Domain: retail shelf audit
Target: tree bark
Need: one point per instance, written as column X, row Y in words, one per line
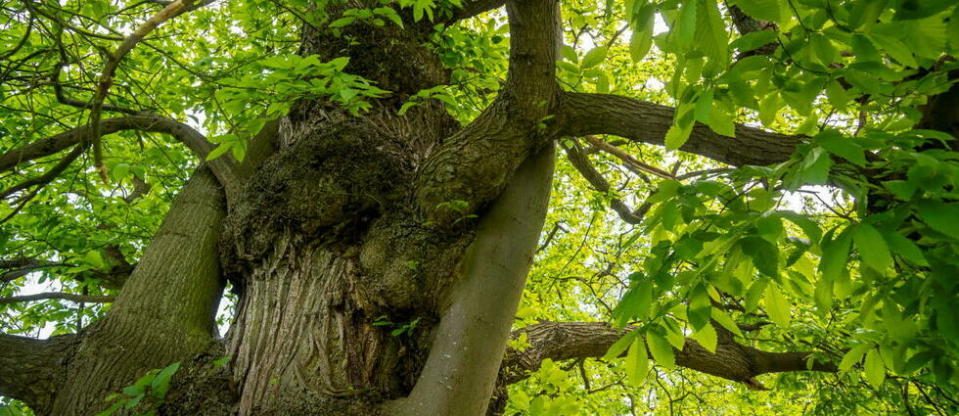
column 165, row 311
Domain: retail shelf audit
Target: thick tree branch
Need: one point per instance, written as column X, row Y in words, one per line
column 569, row 340
column 72, row 297
column 535, row 40
column 465, row 357
column 583, row 114
column 475, row 163
column 167, row 309
column 474, row 7
column 31, row 370
column 223, row 167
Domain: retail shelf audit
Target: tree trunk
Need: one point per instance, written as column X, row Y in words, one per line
column 358, row 246
column 165, row 312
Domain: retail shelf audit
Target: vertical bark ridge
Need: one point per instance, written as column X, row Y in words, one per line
column 303, row 338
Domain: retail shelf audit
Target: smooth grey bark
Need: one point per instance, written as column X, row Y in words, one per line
column 465, row 357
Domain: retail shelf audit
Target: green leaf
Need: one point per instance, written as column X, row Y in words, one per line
column 641, row 39
column 755, row 294
column 865, row 12
column 682, row 126
column 711, row 36
column 637, row 362
column 940, row 216
column 753, row 40
column 761, row 9
column 853, row 356
column 952, row 30
column 707, row 337
column 825, row 52
column 594, row 57
column 161, row 383
column 875, row 369
column 777, row 306
column 764, row 254
column 723, row 318
column 809, row 227
column 904, row 247
column 915, row 9
column 686, row 24
column 837, row 95
column 872, row 247
column 635, row 304
column 837, row 144
column 341, row 22
column 895, row 48
column 835, row 255
column 219, row 150
column 620, row 346
column 662, row 351
column 389, row 13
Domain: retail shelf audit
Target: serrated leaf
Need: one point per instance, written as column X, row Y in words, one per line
column 777, row 306
column 764, row 254
column 904, row 247
column 641, row 39
column 753, row 40
column 707, row 337
column 594, row 57
column 161, row 383
column 940, row 216
column 637, row 362
column 711, row 37
column 219, row 150
column 723, row 318
column 661, row 349
column 853, row 356
column 761, row 9
column 619, row 347
column 635, row 304
column 835, row 255
column 874, row 368
column 872, row 247
column 843, row 147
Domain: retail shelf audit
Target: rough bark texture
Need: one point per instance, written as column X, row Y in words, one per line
column 29, row 368
column 343, row 228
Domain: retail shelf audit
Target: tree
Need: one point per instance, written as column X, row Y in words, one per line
column 370, row 179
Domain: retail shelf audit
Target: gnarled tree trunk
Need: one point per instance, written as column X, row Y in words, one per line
column 378, row 258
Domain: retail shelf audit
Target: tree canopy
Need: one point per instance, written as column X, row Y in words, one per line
column 754, row 211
